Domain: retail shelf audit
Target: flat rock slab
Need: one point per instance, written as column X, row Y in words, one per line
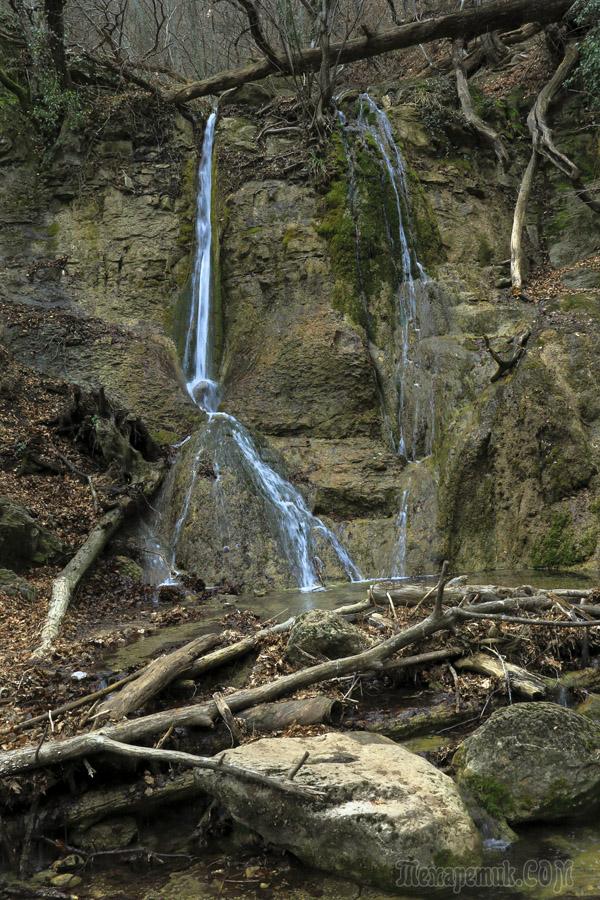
column 383, row 806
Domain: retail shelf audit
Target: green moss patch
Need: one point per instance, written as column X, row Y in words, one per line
column 561, row 546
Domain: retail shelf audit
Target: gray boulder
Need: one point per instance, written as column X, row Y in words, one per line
column 382, row 806
column 533, row 762
column 319, row 633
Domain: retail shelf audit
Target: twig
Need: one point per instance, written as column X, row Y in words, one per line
column 227, row 716
column 297, row 766
column 439, row 596
column 456, row 687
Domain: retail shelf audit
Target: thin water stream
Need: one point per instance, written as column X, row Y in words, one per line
column 414, row 382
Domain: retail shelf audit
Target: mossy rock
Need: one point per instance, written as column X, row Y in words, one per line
column 319, row 633
column 562, row 545
column 128, row 568
column 23, row 541
column 15, row 586
column 533, row 762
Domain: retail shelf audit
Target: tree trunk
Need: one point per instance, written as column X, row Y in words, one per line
column 517, row 260
column 56, row 38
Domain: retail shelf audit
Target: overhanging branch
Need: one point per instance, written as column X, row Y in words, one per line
column 468, row 24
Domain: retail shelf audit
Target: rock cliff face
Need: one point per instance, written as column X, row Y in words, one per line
column 114, row 198
column 306, row 329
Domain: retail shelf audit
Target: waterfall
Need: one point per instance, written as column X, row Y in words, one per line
column 413, row 380
column 414, row 386
column 293, row 526
column 196, row 361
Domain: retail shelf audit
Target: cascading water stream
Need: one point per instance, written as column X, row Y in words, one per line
column 415, row 424
column 414, row 385
column 293, row 526
column 196, row 361
column 399, row 569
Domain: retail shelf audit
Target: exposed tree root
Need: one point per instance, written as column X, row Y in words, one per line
column 485, row 131
column 543, row 145
column 507, row 365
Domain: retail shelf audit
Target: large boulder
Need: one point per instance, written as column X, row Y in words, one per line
column 319, row 633
column 533, row 762
column 382, row 806
column 23, row 541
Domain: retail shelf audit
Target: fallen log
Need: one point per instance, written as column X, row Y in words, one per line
column 154, row 678
column 423, row 659
column 161, row 672
column 226, row 655
column 94, row 806
column 412, row 594
column 66, row 583
column 204, row 714
column 285, row 713
column 523, row 683
column 465, row 24
column 420, row 721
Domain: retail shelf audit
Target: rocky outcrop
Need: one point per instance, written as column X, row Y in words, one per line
column 306, row 327
column 382, row 806
column 23, row 541
column 95, row 243
column 533, row 762
column 318, row 633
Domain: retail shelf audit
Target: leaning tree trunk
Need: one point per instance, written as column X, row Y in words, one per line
column 66, row 583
